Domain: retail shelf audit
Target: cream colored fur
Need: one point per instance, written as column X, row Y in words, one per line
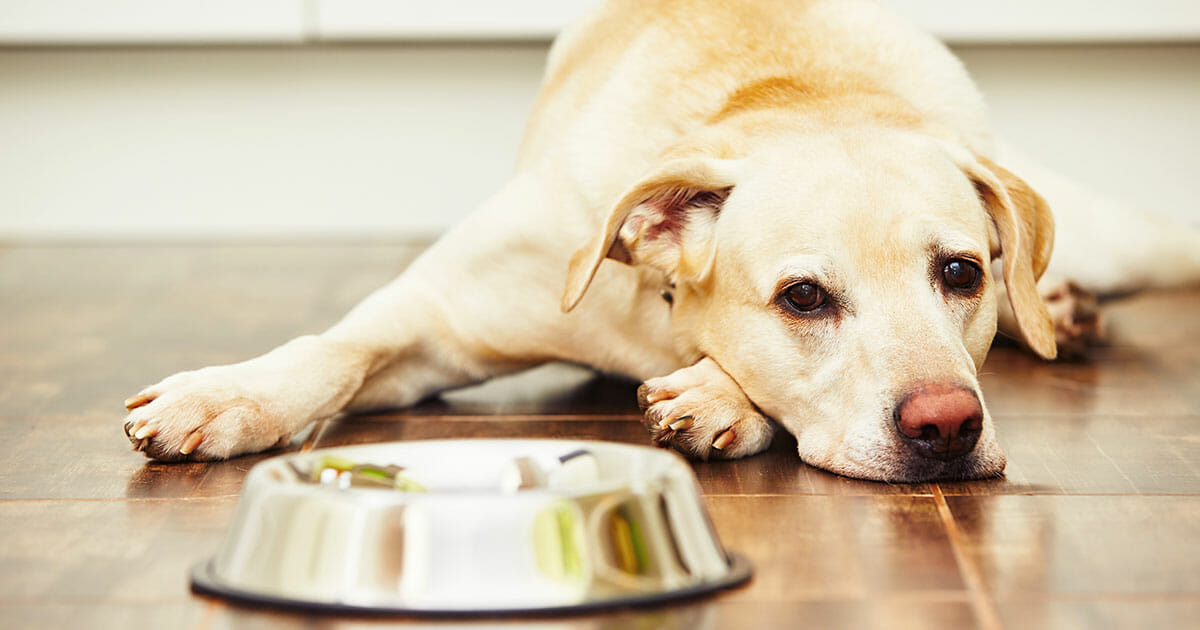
column 717, row 152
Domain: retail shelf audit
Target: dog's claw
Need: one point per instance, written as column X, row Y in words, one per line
column 191, row 443
column 662, row 437
column 681, row 423
column 139, row 400
column 642, row 393
column 147, row 429
column 724, row 439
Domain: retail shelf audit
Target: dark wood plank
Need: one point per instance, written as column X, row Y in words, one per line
column 1149, row 367
column 1074, row 614
column 1165, row 321
column 90, row 531
column 1094, row 454
column 1115, row 380
column 87, row 326
column 837, row 548
column 1031, row 547
column 88, row 457
column 72, row 552
column 105, row 615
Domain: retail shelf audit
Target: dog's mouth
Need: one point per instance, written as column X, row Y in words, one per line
column 915, row 469
column 889, row 459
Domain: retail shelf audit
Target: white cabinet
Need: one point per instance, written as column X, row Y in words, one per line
column 59, row 22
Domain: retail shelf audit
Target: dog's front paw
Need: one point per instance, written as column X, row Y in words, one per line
column 703, row 413
column 206, row 414
column 1078, row 322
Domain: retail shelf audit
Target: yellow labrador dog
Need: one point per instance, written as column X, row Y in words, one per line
column 772, row 212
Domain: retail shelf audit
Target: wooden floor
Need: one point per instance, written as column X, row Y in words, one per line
column 1096, row 525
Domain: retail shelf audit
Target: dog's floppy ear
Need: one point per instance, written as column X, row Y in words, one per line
column 1025, row 230
column 665, row 220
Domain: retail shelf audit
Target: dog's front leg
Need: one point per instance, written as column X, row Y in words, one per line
column 449, row 320
column 221, row 411
column 400, row 345
column 704, row 414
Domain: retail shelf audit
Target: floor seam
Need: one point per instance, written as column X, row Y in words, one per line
column 507, row 417
column 743, row 495
column 120, row 499
column 982, row 604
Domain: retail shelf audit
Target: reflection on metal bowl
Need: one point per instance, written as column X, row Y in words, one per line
column 471, row 526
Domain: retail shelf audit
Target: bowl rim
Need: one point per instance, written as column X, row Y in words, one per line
column 205, row 581
column 602, row 486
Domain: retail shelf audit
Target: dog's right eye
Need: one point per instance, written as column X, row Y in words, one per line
column 962, row 276
column 804, row 297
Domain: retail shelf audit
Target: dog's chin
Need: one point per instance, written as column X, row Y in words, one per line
column 896, row 463
column 913, row 468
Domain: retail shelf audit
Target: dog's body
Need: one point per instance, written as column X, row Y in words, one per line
column 805, row 199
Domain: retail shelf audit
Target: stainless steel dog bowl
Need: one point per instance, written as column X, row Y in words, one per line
column 470, row 526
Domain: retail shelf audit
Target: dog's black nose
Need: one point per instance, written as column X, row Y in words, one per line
column 940, row 421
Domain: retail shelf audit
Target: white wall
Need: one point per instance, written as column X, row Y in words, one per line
column 396, row 139
column 256, row 141
column 1124, row 120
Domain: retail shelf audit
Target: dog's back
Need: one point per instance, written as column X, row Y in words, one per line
column 643, row 75
column 636, row 78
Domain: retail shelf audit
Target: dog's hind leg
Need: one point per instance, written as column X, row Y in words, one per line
column 1101, row 248
column 1079, row 323
column 1105, row 247
column 478, row 303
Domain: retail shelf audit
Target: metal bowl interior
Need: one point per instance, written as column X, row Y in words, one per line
column 471, row 526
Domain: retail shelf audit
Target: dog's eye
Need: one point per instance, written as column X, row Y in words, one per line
column 804, row 297
column 961, row 275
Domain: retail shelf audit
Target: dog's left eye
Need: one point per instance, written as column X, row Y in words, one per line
column 961, row 275
column 804, row 297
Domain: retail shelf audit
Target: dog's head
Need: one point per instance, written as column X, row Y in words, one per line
column 844, row 282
